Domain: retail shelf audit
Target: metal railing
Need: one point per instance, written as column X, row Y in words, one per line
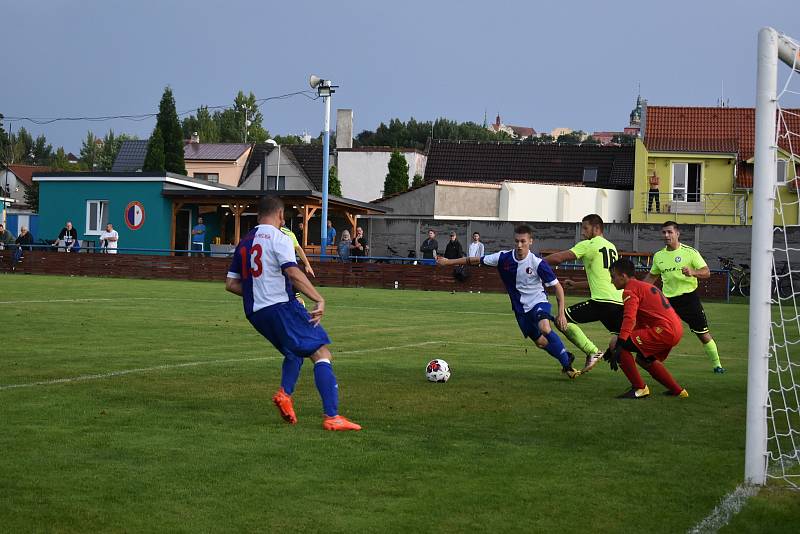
column 712, row 207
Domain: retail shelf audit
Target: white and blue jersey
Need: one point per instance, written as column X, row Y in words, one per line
column 259, row 262
column 524, row 279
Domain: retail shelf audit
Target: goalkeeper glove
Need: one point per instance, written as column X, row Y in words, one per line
column 612, row 357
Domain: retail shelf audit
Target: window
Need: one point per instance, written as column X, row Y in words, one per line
column 209, row 177
column 782, row 165
column 686, row 182
column 589, row 174
column 281, row 182
column 96, row 216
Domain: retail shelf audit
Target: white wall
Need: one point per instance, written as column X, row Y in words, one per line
column 554, row 203
column 16, row 187
column 362, row 173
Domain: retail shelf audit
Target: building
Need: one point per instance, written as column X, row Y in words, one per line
column 15, row 178
column 516, row 132
column 362, row 171
column 213, row 162
column 289, row 167
column 703, row 158
column 512, row 182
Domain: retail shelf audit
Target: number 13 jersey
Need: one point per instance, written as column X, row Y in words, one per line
column 260, row 261
column 597, row 254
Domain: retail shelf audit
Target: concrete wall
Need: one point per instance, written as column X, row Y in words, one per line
column 295, row 178
column 419, row 202
column 344, row 128
column 467, row 201
column 362, row 173
column 551, row 203
column 229, row 171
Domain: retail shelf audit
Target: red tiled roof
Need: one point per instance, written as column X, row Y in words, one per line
column 711, row 130
column 24, row 172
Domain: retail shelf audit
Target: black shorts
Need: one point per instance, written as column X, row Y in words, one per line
column 690, row 310
column 589, row 311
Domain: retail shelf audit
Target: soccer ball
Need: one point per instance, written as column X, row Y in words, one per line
column 437, row 371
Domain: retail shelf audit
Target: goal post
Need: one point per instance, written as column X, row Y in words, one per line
column 773, row 410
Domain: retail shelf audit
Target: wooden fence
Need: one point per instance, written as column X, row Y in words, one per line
column 374, row 275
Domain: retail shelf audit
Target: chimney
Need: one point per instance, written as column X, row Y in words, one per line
column 195, row 137
column 344, row 128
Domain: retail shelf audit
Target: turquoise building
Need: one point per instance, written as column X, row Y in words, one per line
column 135, row 203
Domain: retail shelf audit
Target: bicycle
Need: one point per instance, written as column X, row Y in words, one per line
column 739, row 275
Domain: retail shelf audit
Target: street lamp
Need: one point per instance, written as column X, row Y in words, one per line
column 324, row 89
column 278, row 172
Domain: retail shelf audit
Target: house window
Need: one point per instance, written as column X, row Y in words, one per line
column 274, row 184
column 589, row 174
column 96, row 216
column 782, row 166
column 686, row 182
column 209, row 177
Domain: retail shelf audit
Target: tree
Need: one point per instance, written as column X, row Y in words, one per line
column 232, row 122
column 397, row 178
column 415, row 134
column 155, row 160
column 334, row 185
column 171, row 137
column 32, row 196
column 60, row 161
column 288, row 140
column 418, row 180
column 42, row 151
column 624, row 139
column 591, row 141
column 572, row 138
column 111, row 145
column 89, row 151
column 204, row 124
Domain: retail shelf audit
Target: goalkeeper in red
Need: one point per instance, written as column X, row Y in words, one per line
column 650, row 328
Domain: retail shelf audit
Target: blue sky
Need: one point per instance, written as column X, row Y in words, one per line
column 540, row 64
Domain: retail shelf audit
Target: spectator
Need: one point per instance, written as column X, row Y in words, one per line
column 68, row 239
column 109, row 239
column 344, row 247
column 476, row 249
column 199, row 236
column 653, row 194
column 6, row 238
column 299, row 232
column 429, row 246
column 359, row 248
column 331, row 234
column 453, row 249
column 24, row 242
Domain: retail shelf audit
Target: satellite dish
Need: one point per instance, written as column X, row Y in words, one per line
column 314, row 81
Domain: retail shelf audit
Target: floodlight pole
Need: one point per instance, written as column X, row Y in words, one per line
column 755, row 462
column 325, row 90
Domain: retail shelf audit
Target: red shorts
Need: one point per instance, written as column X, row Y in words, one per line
column 656, row 341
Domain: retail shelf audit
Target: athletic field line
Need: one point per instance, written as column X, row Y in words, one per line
column 123, row 372
column 729, row 506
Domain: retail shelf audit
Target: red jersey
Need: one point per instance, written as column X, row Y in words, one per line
column 647, row 307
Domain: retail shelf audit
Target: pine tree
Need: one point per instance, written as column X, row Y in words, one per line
column 334, row 185
column 418, row 181
column 32, row 196
column 172, row 135
column 89, row 151
column 397, row 178
column 155, row 158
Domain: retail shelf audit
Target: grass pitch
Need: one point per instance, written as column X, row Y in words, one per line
column 145, row 406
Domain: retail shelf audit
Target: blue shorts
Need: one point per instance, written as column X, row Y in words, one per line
column 287, row 327
column 529, row 322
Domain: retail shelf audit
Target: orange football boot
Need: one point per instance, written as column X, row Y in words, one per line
column 285, row 406
column 337, row 422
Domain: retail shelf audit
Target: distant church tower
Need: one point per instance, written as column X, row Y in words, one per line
column 636, row 114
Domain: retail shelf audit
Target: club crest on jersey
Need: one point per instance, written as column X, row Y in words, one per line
column 677, row 259
column 529, row 270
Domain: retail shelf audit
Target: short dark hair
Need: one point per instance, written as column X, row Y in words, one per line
column 269, row 205
column 671, row 223
column 524, row 229
column 476, row 233
column 624, row 266
column 594, row 219
column 431, row 230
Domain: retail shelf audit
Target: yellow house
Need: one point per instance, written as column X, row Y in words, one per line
column 695, row 166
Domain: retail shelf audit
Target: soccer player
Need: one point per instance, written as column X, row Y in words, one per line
column 680, row 266
column 605, row 303
column 263, row 272
column 650, row 328
column 525, row 276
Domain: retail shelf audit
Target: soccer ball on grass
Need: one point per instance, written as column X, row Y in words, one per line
column 437, row 371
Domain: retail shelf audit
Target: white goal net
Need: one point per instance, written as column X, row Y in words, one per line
column 773, row 433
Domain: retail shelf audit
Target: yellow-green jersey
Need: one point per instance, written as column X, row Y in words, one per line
column 668, row 264
column 295, row 242
column 597, row 254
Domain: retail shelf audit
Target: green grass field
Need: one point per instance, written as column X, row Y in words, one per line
column 167, row 423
